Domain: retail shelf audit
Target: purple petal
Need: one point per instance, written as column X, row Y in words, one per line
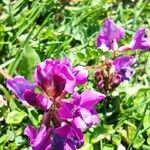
column 18, row 85
column 37, row 100
column 95, row 117
column 64, row 131
column 123, row 62
column 69, row 146
column 70, row 79
column 139, row 41
column 79, row 123
column 76, row 98
column 78, row 136
column 71, row 133
column 81, row 75
column 58, row 82
column 30, row 97
column 123, row 67
column 30, row 132
column 39, row 140
column 86, row 115
column 66, row 110
column 110, row 35
column 43, row 102
column 56, row 76
column 41, row 77
column 90, row 98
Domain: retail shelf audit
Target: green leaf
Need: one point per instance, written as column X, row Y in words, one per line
column 28, row 63
column 102, row 132
column 148, row 67
column 138, row 142
column 11, row 135
column 34, row 116
column 15, row 117
column 108, row 147
column 116, row 139
column 3, row 139
column 148, row 140
column 146, row 123
column 20, row 141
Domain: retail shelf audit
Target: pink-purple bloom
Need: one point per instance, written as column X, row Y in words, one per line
column 123, row 66
column 113, row 72
column 80, row 109
column 54, row 77
column 139, row 41
column 63, row 120
column 18, row 85
column 110, row 35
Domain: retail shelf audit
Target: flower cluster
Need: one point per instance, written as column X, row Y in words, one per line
column 112, row 72
column 64, row 120
column 112, row 34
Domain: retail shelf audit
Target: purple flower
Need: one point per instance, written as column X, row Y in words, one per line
column 24, row 91
column 55, row 76
column 123, row 66
column 139, row 41
column 81, row 109
column 39, row 138
column 68, row 137
column 18, row 85
column 110, row 35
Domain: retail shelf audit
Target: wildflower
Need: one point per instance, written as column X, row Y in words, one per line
column 112, row 72
column 123, row 66
column 81, row 109
column 110, row 35
column 63, row 120
column 139, row 41
column 54, row 77
column 68, row 137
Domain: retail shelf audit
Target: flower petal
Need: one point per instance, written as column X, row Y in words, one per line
column 81, row 75
column 37, row 100
column 110, row 35
column 65, row 111
column 86, row 115
column 79, row 123
column 90, row 98
column 139, row 41
column 18, row 85
column 123, row 62
column 41, row 139
column 95, row 117
column 43, row 102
